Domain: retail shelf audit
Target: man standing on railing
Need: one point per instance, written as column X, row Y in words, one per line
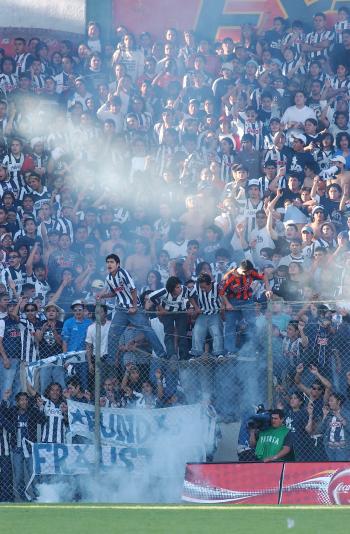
column 207, row 296
column 171, row 303
column 236, row 291
column 120, row 285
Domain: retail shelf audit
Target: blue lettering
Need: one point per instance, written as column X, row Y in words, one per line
column 109, row 425
column 60, row 453
column 123, row 456
column 90, row 417
column 142, row 430
column 81, row 460
column 125, row 429
column 38, row 459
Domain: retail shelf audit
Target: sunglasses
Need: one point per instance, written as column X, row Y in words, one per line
column 78, row 309
column 316, row 388
column 30, row 310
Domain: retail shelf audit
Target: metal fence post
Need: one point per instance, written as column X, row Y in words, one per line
column 97, row 387
column 269, row 359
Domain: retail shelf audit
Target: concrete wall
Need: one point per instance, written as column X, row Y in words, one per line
column 60, row 15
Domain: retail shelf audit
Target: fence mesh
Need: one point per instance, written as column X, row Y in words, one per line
column 293, row 357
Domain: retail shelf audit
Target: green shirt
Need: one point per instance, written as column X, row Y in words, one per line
column 270, row 442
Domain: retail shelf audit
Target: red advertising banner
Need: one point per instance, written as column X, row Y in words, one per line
column 232, row 483
column 257, row 483
column 316, row 483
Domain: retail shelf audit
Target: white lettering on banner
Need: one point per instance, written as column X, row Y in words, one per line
column 62, row 459
column 133, row 428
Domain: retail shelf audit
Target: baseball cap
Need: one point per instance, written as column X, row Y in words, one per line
column 307, row 230
column 317, row 208
column 252, row 62
column 277, row 61
column 227, row 66
column 97, row 284
column 53, row 305
column 301, row 137
column 254, row 182
column 267, row 264
column 77, row 303
column 339, row 159
column 289, row 222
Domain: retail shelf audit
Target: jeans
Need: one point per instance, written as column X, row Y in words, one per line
column 338, row 454
column 49, row 374
column 203, row 325
column 6, row 482
column 10, row 378
column 178, row 320
column 82, row 374
column 244, row 310
column 139, row 319
column 21, row 467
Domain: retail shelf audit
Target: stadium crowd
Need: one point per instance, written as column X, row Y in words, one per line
column 201, row 192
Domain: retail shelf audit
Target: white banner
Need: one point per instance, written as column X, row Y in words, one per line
column 63, row 459
column 57, row 359
column 186, row 425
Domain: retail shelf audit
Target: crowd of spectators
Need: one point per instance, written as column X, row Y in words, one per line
column 201, row 191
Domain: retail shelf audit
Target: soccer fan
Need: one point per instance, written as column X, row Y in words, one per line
column 120, row 286
column 275, row 443
column 185, row 159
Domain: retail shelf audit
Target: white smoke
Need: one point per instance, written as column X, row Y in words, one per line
column 156, row 479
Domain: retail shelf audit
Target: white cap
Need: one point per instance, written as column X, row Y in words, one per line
column 254, row 181
column 77, row 303
column 300, row 136
column 227, row 66
column 339, row 158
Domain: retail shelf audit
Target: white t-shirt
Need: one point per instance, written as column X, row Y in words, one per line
column 91, row 337
column 175, row 250
column 263, row 239
column 294, row 114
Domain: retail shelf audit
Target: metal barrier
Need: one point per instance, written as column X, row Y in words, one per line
column 285, row 390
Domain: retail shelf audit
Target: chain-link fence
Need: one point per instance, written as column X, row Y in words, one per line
column 281, row 395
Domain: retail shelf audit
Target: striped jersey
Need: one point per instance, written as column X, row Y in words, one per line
column 9, row 185
column 294, row 42
column 65, row 226
column 227, row 162
column 22, row 62
column 313, row 38
column 209, row 302
column 294, row 66
column 253, row 128
column 163, row 298
column 340, row 84
column 323, row 158
column 339, row 27
column 8, row 82
column 14, row 167
column 54, row 429
column 18, row 276
column 121, row 284
column 4, row 441
column 248, row 211
column 30, row 348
